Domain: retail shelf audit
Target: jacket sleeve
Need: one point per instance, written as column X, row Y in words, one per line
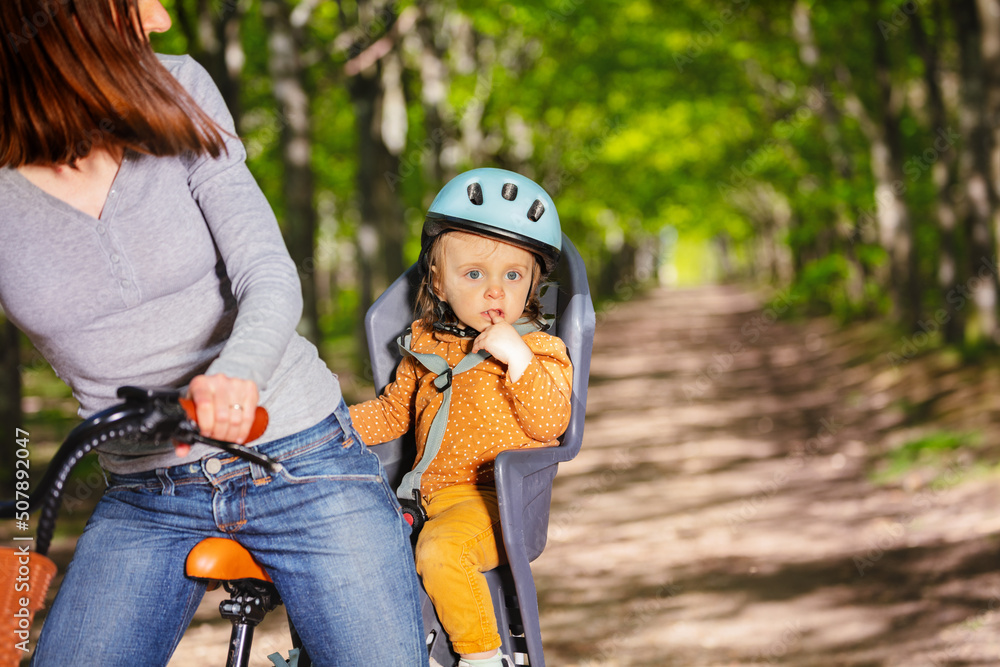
column 390, row 415
column 263, row 279
column 542, row 396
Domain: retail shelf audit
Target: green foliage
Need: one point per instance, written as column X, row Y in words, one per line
column 708, row 119
column 823, row 282
column 937, row 451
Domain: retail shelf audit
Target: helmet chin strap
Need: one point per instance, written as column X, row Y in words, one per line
column 445, row 321
column 456, row 330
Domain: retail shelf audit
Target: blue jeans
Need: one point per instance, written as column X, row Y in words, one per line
column 327, row 529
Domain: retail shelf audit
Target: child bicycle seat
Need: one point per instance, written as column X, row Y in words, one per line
column 523, row 477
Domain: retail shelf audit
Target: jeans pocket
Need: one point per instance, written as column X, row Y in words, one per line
column 344, row 457
column 122, row 488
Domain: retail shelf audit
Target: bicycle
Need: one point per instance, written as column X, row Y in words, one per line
column 157, row 415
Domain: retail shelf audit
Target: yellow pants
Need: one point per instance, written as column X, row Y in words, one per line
column 459, row 542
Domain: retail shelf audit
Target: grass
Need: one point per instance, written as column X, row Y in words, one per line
column 934, row 455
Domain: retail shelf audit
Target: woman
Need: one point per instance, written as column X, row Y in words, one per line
column 135, row 248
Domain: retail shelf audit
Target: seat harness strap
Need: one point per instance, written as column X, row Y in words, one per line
column 409, row 488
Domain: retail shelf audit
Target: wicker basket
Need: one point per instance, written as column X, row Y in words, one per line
column 24, row 581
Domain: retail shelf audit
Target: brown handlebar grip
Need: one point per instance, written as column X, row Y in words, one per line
column 256, row 430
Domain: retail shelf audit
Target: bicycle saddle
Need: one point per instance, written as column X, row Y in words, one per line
column 223, row 559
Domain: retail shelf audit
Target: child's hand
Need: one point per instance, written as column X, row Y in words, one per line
column 502, row 341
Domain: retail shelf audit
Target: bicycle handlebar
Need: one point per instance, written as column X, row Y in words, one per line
column 149, row 415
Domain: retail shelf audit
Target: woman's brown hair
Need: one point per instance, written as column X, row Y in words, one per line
column 79, row 75
column 429, row 309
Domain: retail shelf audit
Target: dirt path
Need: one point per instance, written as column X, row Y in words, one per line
column 720, row 511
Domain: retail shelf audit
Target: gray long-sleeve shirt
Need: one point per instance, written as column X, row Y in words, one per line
column 185, row 272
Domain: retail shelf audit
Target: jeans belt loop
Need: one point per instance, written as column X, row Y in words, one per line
column 166, row 484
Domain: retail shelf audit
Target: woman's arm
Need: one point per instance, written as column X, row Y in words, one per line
column 262, row 276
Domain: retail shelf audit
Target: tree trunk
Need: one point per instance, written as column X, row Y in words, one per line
column 977, row 137
column 617, row 275
column 895, row 226
column 10, row 397
column 381, row 231
column 831, row 119
column 212, row 30
column 298, row 182
column 942, row 172
column 989, row 12
column 433, row 91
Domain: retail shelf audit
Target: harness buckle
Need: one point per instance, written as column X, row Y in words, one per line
column 413, row 513
column 447, row 375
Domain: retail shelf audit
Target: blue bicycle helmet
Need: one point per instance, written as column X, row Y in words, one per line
column 501, row 204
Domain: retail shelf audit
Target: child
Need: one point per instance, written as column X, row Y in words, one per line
column 489, row 238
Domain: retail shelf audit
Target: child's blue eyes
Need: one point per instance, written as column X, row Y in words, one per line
column 476, row 274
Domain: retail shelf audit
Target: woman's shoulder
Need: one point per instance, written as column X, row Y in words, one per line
column 182, row 66
column 190, row 74
column 199, row 85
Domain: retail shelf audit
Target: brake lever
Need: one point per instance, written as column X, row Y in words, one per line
column 171, row 417
column 188, row 432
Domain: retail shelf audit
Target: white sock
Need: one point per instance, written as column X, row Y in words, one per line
column 493, row 661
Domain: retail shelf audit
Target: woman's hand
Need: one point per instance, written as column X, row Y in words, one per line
column 225, row 407
column 502, row 341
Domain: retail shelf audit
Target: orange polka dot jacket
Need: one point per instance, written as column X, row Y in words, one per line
column 488, row 414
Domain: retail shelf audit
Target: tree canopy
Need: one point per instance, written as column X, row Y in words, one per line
column 844, row 150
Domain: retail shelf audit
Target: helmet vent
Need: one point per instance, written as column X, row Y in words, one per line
column 536, row 210
column 476, row 194
column 509, row 191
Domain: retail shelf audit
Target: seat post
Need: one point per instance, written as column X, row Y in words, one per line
column 249, row 601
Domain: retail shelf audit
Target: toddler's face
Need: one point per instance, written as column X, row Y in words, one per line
column 479, row 276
